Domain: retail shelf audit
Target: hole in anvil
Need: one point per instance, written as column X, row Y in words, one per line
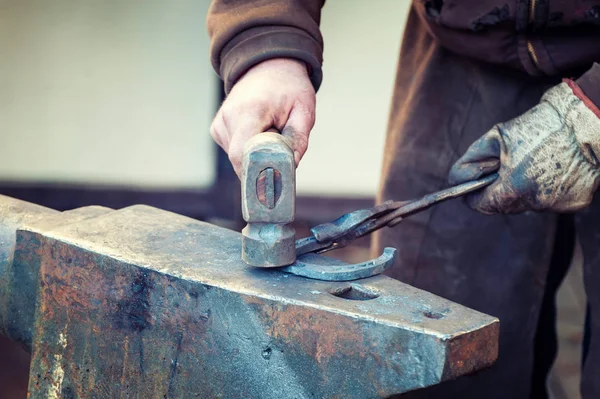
column 266, row 354
column 434, row 315
column 354, row 292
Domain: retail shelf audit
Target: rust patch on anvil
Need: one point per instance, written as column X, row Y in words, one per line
column 19, row 273
column 320, row 334
column 79, row 304
column 122, row 323
column 63, row 278
column 464, row 352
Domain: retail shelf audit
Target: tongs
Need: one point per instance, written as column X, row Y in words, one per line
column 347, row 228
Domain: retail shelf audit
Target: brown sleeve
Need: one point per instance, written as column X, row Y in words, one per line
column 589, row 83
column 246, row 32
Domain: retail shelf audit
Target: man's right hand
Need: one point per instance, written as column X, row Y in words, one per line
column 273, row 94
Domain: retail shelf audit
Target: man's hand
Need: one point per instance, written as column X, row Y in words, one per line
column 273, row 94
column 547, row 158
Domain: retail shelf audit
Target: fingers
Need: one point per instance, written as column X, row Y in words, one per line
column 218, row 131
column 480, row 159
column 499, row 197
column 275, row 93
column 483, row 158
column 298, row 127
column 232, row 133
column 248, row 123
column 235, row 125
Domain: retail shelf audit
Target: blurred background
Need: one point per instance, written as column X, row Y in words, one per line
column 110, row 102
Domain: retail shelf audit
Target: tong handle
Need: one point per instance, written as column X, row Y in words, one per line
column 353, row 225
column 431, row 199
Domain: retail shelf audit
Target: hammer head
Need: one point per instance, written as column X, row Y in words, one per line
column 268, row 197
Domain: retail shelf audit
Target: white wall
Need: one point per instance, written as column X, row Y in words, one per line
column 112, row 91
column 121, row 92
column 362, row 43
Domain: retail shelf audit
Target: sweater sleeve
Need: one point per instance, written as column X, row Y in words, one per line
column 244, row 33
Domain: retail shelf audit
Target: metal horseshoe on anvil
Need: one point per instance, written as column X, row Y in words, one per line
column 268, row 204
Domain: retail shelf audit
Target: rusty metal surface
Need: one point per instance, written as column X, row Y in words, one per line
column 145, row 303
column 19, row 260
column 17, row 276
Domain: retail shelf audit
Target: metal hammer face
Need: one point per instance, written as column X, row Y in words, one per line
column 268, row 197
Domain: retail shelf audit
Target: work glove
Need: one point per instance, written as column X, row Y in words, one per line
column 546, row 159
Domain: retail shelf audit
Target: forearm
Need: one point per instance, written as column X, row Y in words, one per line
column 245, row 33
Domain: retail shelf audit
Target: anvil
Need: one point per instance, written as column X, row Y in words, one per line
column 140, row 302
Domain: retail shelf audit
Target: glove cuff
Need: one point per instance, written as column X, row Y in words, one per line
column 580, row 114
column 581, row 95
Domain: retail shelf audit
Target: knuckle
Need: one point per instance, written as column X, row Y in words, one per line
column 255, row 109
column 247, row 103
column 258, row 109
column 227, row 109
column 235, row 159
column 218, row 131
column 234, row 154
column 214, row 131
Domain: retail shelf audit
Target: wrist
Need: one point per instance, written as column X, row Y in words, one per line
column 291, row 65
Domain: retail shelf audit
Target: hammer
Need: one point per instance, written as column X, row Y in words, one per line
column 268, row 197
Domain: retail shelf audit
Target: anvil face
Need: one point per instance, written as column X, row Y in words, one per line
column 145, row 303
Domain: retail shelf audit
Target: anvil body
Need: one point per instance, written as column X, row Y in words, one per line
column 144, row 303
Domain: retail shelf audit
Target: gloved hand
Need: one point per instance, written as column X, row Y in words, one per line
column 547, row 158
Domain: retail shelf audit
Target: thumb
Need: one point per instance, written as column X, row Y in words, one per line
column 297, row 129
column 480, row 159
